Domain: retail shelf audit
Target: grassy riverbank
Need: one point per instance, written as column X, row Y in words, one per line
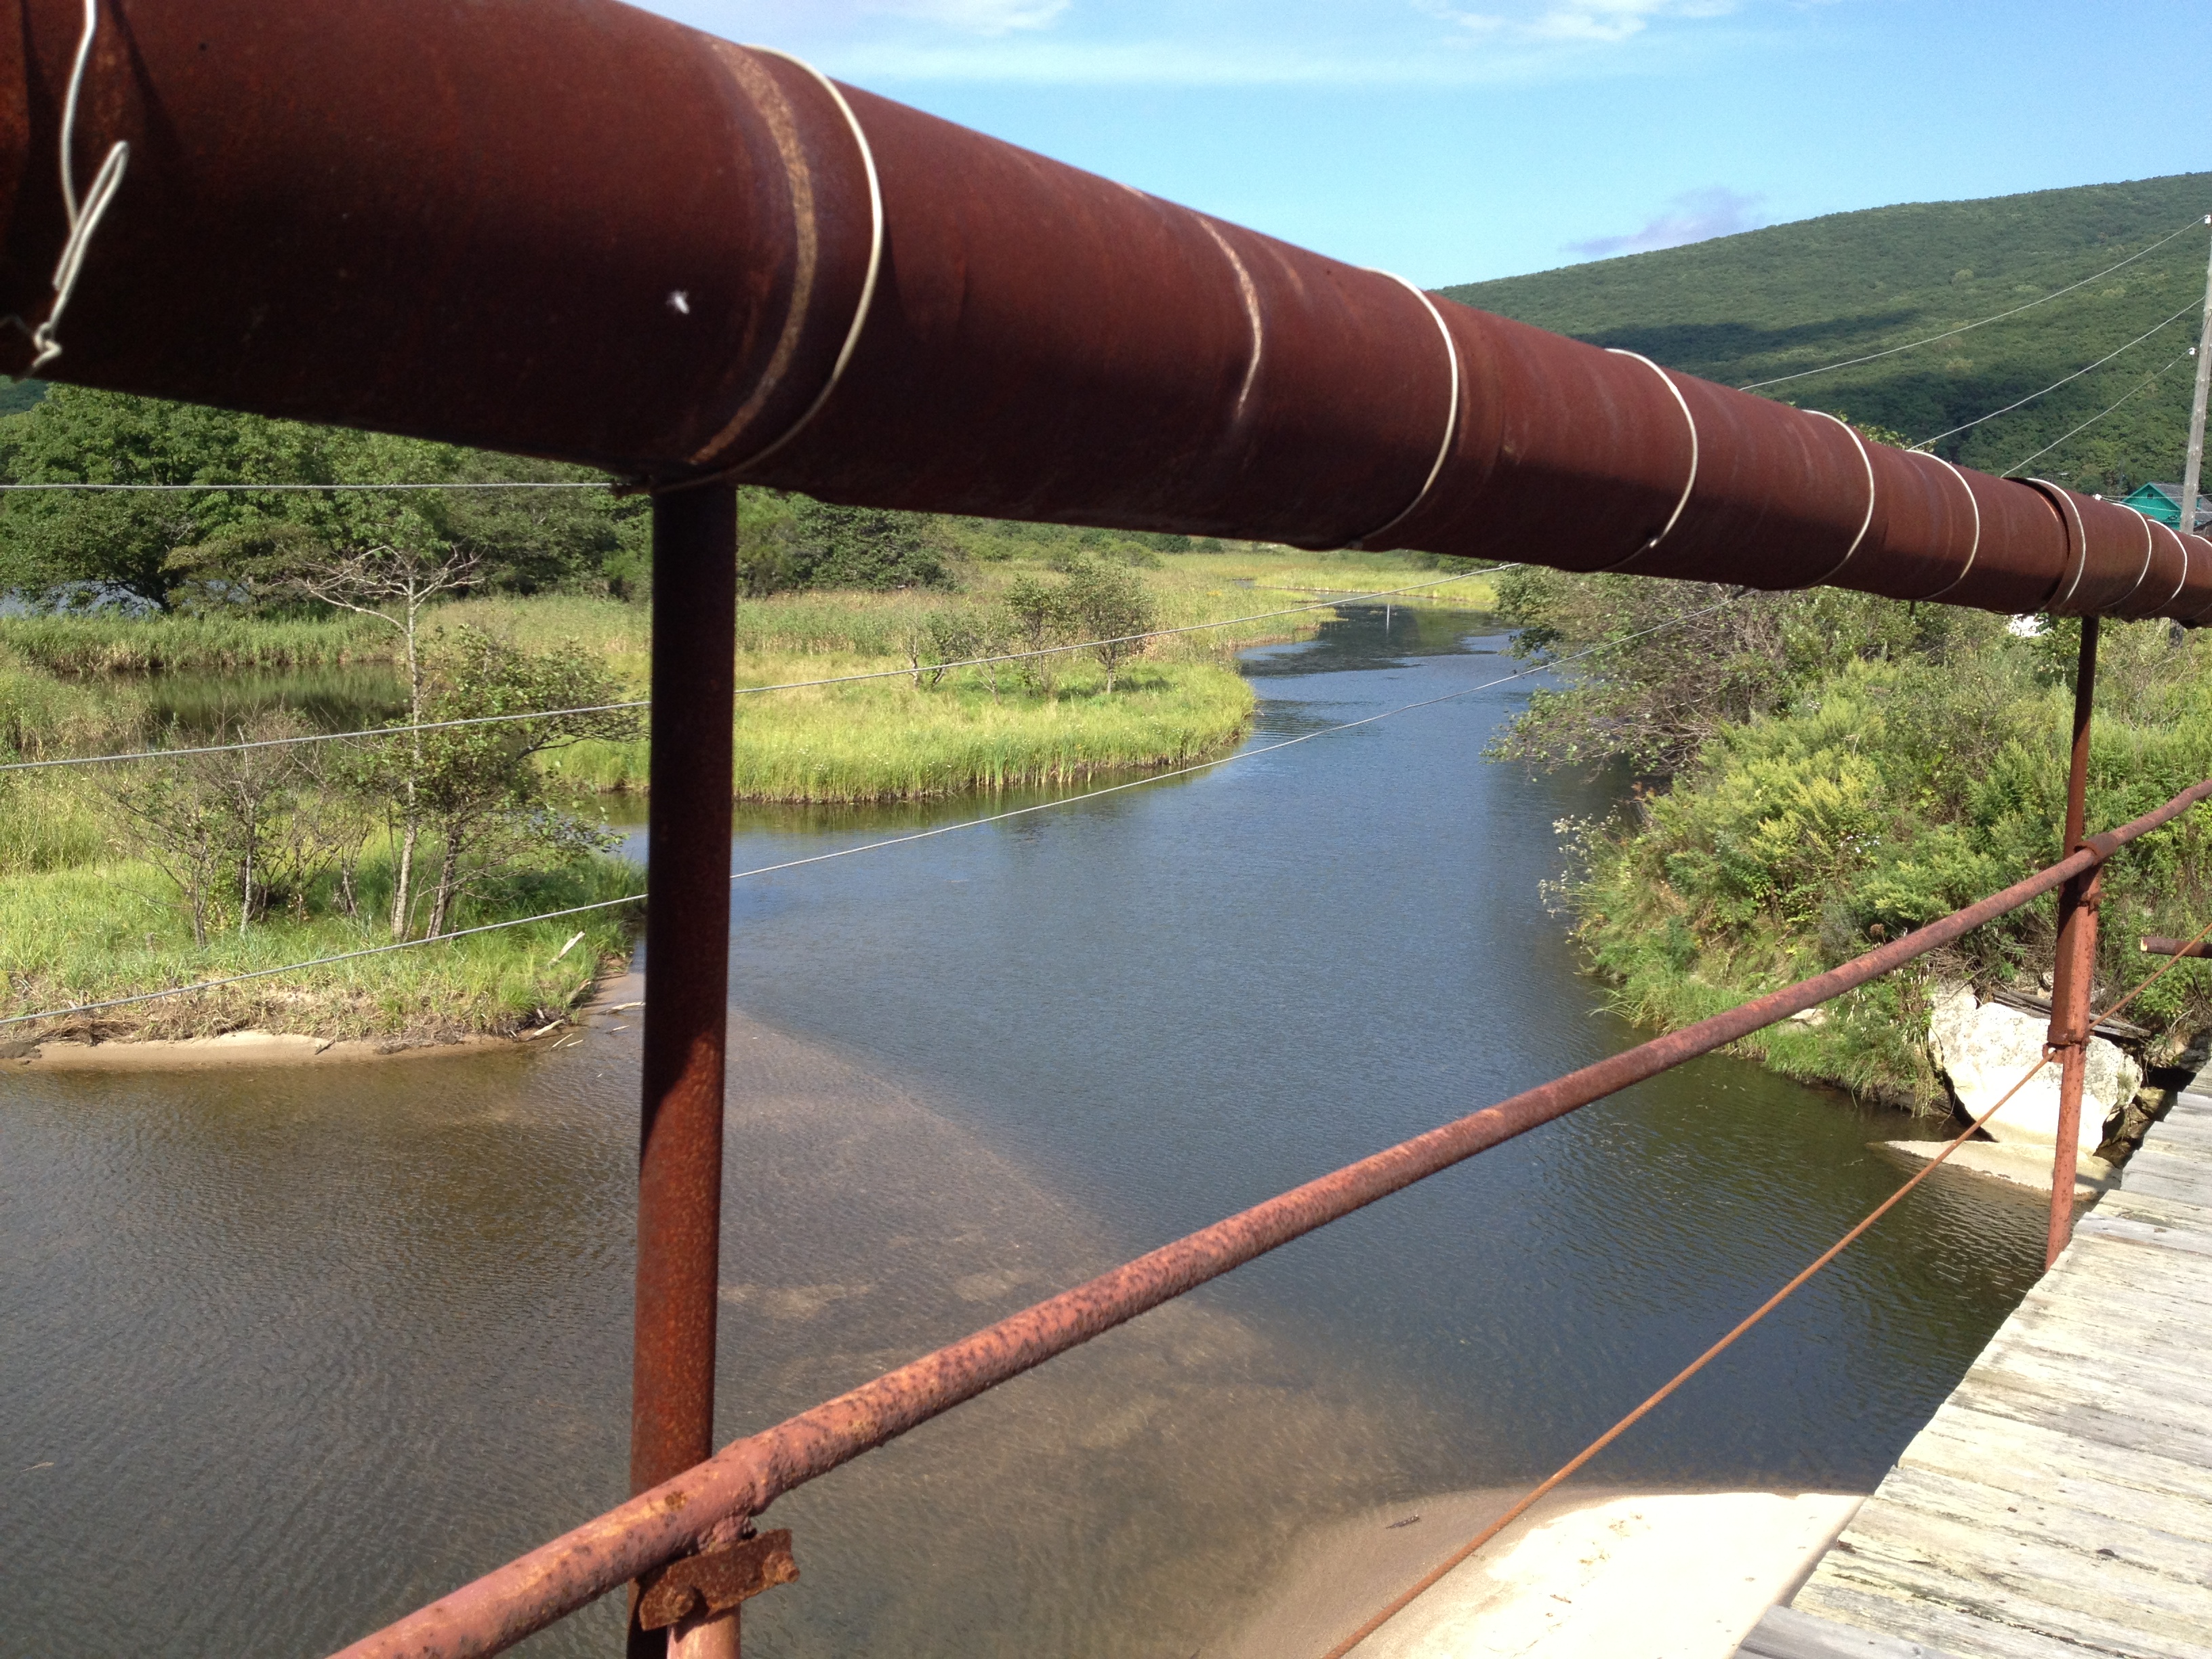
column 111, row 927
column 1876, row 781
column 87, row 915
column 73, row 685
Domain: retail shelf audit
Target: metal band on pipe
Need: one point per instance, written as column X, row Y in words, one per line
column 867, row 283
column 1867, row 461
column 2079, row 532
column 1451, row 415
column 1688, row 483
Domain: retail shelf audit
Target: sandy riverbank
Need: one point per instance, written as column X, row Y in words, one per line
column 247, row 1048
column 1587, row 1575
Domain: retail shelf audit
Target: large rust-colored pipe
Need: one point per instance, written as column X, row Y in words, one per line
column 569, row 228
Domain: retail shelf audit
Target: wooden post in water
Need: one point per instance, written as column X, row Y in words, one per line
column 2074, row 973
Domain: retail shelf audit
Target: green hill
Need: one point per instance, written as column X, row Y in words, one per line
column 1767, row 303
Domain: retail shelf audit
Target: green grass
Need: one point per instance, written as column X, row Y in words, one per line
column 1881, row 798
column 107, row 644
column 113, row 928
column 42, row 717
column 884, row 740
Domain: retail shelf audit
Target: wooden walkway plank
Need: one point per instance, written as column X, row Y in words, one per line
column 2059, row 1504
column 2027, row 1464
column 2065, row 1588
column 1785, row 1633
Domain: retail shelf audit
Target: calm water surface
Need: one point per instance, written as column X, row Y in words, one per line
column 287, row 1353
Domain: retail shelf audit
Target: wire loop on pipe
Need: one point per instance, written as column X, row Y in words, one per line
column 2183, row 581
column 2150, row 548
column 1974, row 546
column 1867, row 461
column 2077, row 533
column 84, row 216
column 1451, row 415
column 1688, row 483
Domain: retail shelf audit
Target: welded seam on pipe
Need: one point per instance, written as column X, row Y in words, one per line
column 867, row 283
column 1688, row 483
column 1451, row 415
column 2079, row 533
column 1974, row 546
column 1867, row 461
column 531, row 1592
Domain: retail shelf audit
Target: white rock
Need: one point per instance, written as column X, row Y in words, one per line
column 1983, row 1048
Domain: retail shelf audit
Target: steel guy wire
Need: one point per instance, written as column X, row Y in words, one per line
column 1891, row 351
column 1406, row 1598
column 2186, row 310
column 743, row 690
column 2148, row 380
column 875, row 846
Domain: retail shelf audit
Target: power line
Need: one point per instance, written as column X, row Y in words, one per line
column 1851, row 362
column 2055, row 385
column 743, row 690
column 877, row 846
column 2145, row 385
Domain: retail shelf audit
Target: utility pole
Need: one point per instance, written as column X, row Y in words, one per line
column 2192, row 468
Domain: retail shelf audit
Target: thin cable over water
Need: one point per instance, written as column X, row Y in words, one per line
column 743, row 690
column 81, row 1008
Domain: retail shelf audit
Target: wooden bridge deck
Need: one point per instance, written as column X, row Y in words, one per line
column 2059, row 1504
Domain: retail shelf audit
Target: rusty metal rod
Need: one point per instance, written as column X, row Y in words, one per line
column 2157, row 946
column 527, row 1594
column 687, row 941
column 2075, row 970
column 629, row 245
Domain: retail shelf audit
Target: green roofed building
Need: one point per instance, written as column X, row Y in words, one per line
column 2163, row 502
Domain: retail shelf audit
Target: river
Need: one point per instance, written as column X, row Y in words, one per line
column 288, row 1352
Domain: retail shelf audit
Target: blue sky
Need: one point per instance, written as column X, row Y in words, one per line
column 1453, row 140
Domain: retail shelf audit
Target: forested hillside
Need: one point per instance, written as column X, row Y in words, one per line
column 1770, row 302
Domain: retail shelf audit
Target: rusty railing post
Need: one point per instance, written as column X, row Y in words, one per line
column 2075, row 970
column 687, row 935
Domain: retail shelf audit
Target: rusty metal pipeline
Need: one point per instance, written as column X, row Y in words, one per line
column 507, row 1604
column 568, row 228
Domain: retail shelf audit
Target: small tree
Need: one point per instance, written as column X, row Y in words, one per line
column 1112, row 608
column 479, row 791
column 1038, row 619
column 247, row 825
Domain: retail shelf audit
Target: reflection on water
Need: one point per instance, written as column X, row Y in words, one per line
column 289, row 1352
column 202, row 703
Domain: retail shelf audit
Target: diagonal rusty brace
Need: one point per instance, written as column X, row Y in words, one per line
column 716, row 1581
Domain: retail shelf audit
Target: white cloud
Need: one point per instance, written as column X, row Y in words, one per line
column 1570, row 23
column 973, row 16
column 1227, row 42
column 1695, row 216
